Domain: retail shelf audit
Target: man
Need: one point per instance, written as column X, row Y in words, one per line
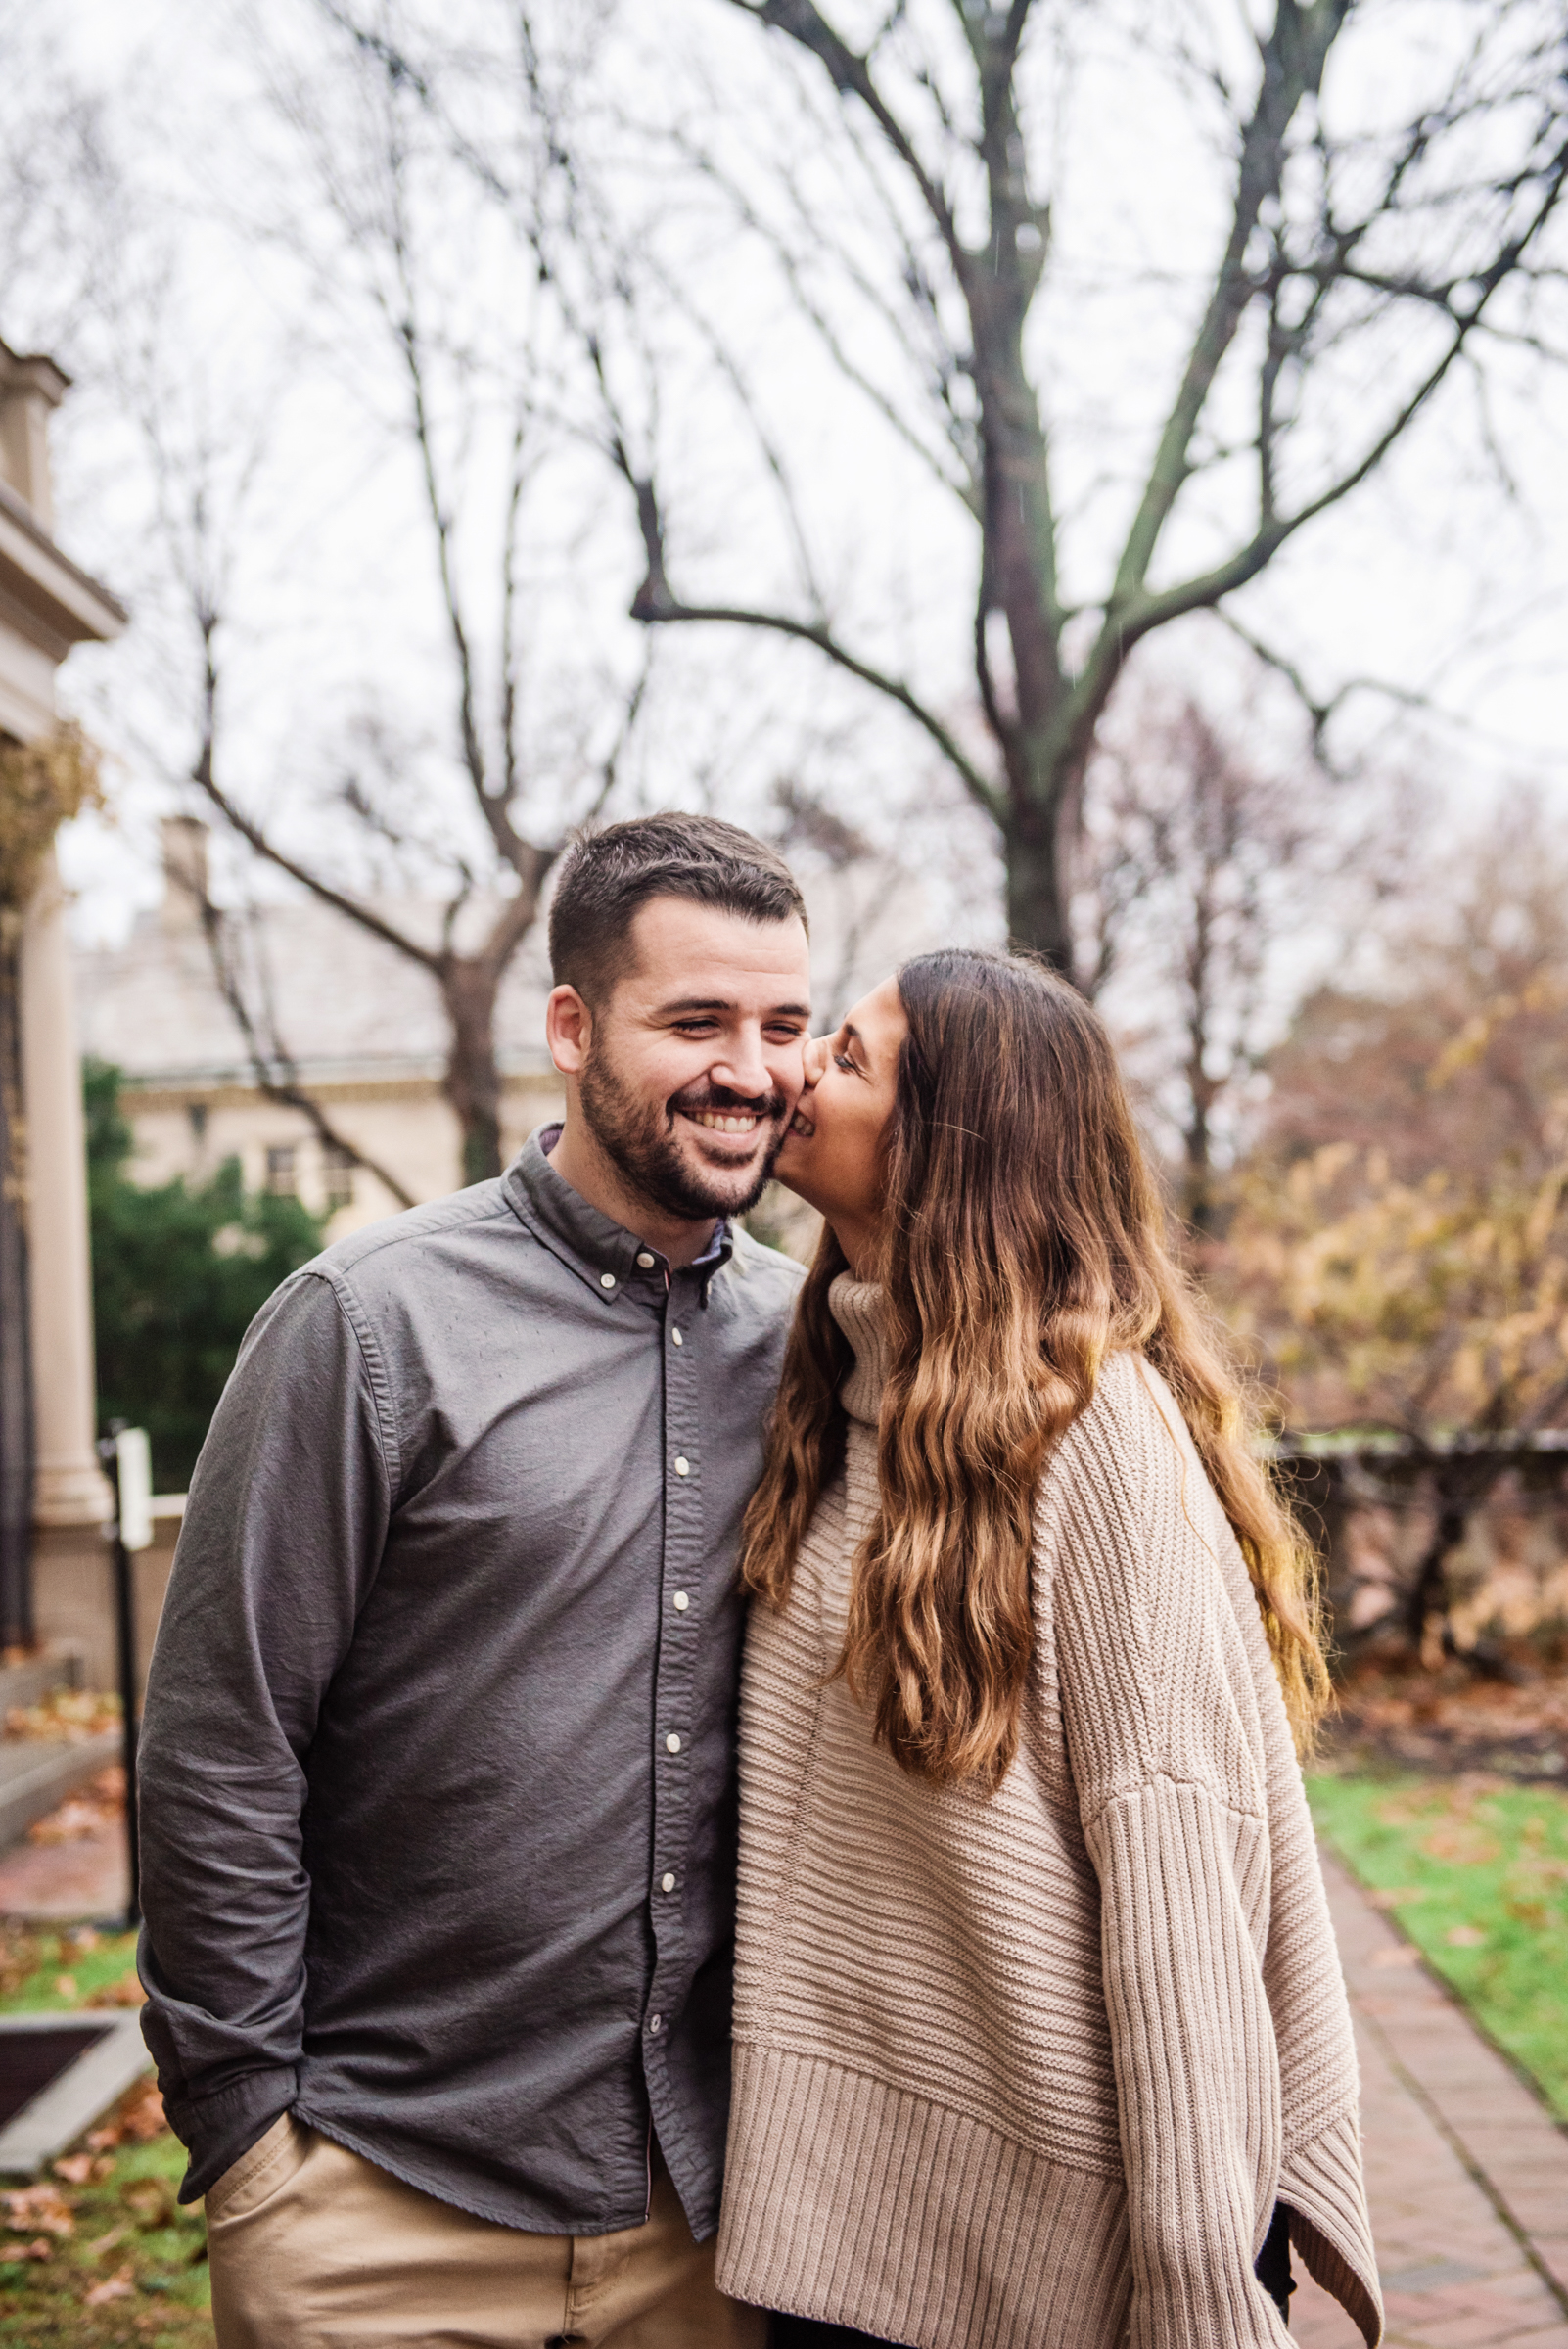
column 438, row 1770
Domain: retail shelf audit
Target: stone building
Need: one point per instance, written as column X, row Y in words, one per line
column 55, row 1569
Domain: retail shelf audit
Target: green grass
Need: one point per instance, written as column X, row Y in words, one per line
column 34, row 1964
column 1475, row 1873
column 125, row 2226
column 125, row 2221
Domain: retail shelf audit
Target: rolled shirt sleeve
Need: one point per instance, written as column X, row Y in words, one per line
column 283, row 1533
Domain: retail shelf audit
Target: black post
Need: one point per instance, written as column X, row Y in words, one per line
column 125, row 1641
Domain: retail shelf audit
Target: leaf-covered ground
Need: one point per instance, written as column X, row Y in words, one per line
column 1474, row 1871
column 98, row 2254
column 1394, row 1717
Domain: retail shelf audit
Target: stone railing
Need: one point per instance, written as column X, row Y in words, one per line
column 1485, row 1522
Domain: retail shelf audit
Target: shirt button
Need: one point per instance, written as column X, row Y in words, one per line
column 607, row 1280
column 676, row 1338
column 682, row 1467
column 656, row 2022
column 645, row 1260
column 671, row 1743
column 681, row 1602
column 667, row 1883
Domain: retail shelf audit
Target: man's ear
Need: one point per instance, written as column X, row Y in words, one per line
column 567, row 1029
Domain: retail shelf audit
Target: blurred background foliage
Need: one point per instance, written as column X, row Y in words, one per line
column 179, row 1271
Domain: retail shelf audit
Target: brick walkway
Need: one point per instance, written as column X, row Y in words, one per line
column 1468, row 2174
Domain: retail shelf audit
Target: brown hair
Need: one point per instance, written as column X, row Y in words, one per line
column 606, row 876
column 1023, row 1243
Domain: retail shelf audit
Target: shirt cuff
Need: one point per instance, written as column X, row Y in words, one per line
column 217, row 2130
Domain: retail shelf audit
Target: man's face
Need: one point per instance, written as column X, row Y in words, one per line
column 692, row 1067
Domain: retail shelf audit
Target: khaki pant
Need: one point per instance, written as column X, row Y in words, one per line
column 313, row 2247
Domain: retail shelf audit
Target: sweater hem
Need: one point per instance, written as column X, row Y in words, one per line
column 857, row 2203
column 1321, row 2185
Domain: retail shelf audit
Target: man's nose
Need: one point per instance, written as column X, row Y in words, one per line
column 744, row 1068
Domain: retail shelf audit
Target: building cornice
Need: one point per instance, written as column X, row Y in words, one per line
column 44, row 595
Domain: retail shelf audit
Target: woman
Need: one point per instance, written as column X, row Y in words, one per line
column 1038, row 2009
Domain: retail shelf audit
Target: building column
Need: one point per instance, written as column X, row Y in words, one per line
column 71, row 1491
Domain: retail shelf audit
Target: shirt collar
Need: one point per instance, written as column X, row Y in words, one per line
column 589, row 1243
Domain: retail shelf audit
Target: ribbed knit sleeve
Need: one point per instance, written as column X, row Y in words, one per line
column 1169, row 1757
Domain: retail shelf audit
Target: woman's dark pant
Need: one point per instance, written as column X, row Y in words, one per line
column 1272, row 2268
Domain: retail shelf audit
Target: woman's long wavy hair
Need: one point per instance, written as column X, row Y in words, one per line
column 1024, row 1242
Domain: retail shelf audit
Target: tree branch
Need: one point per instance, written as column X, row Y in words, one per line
column 850, row 74
column 273, row 1066
column 1293, row 59
column 656, row 606
column 203, row 775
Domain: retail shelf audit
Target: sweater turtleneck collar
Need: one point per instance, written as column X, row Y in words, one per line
column 858, row 1307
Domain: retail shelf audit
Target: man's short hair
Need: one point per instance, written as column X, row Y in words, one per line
column 606, row 876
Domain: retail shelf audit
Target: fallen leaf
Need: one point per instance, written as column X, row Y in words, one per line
column 127, row 1991
column 144, row 2118
column 152, row 2199
column 29, row 2206
column 121, row 2285
column 1464, row 1937
column 41, row 2248
column 140, row 2118
column 106, row 2242
column 76, row 2169
column 1397, row 1895
column 72, row 1714
column 64, row 1986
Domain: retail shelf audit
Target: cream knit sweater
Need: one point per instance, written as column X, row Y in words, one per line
column 1033, row 2069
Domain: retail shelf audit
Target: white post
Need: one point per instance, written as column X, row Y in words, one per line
column 71, row 1488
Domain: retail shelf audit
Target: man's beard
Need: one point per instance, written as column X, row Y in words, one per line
column 640, row 1141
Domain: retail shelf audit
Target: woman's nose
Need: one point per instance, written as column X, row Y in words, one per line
column 816, row 1057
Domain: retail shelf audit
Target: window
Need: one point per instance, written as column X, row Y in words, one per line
column 282, row 1176
column 338, row 1172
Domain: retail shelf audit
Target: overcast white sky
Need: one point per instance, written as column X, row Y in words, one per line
column 1429, row 579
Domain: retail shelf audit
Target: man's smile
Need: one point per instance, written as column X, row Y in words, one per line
column 724, row 1120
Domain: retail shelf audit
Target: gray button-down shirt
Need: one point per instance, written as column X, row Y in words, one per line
column 438, row 1766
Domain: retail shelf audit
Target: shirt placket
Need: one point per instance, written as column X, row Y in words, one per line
column 681, row 1602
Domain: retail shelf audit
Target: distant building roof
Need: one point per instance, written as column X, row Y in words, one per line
column 343, row 1003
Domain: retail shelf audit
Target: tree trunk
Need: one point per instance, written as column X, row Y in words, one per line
column 1427, row 1591
column 473, row 1082
column 1037, row 883
column 1460, row 1486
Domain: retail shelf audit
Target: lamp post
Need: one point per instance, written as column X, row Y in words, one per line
column 128, row 1457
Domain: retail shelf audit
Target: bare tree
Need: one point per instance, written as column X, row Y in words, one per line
column 1216, row 884
column 1363, row 264
column 62, row 195
column 368, row 240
